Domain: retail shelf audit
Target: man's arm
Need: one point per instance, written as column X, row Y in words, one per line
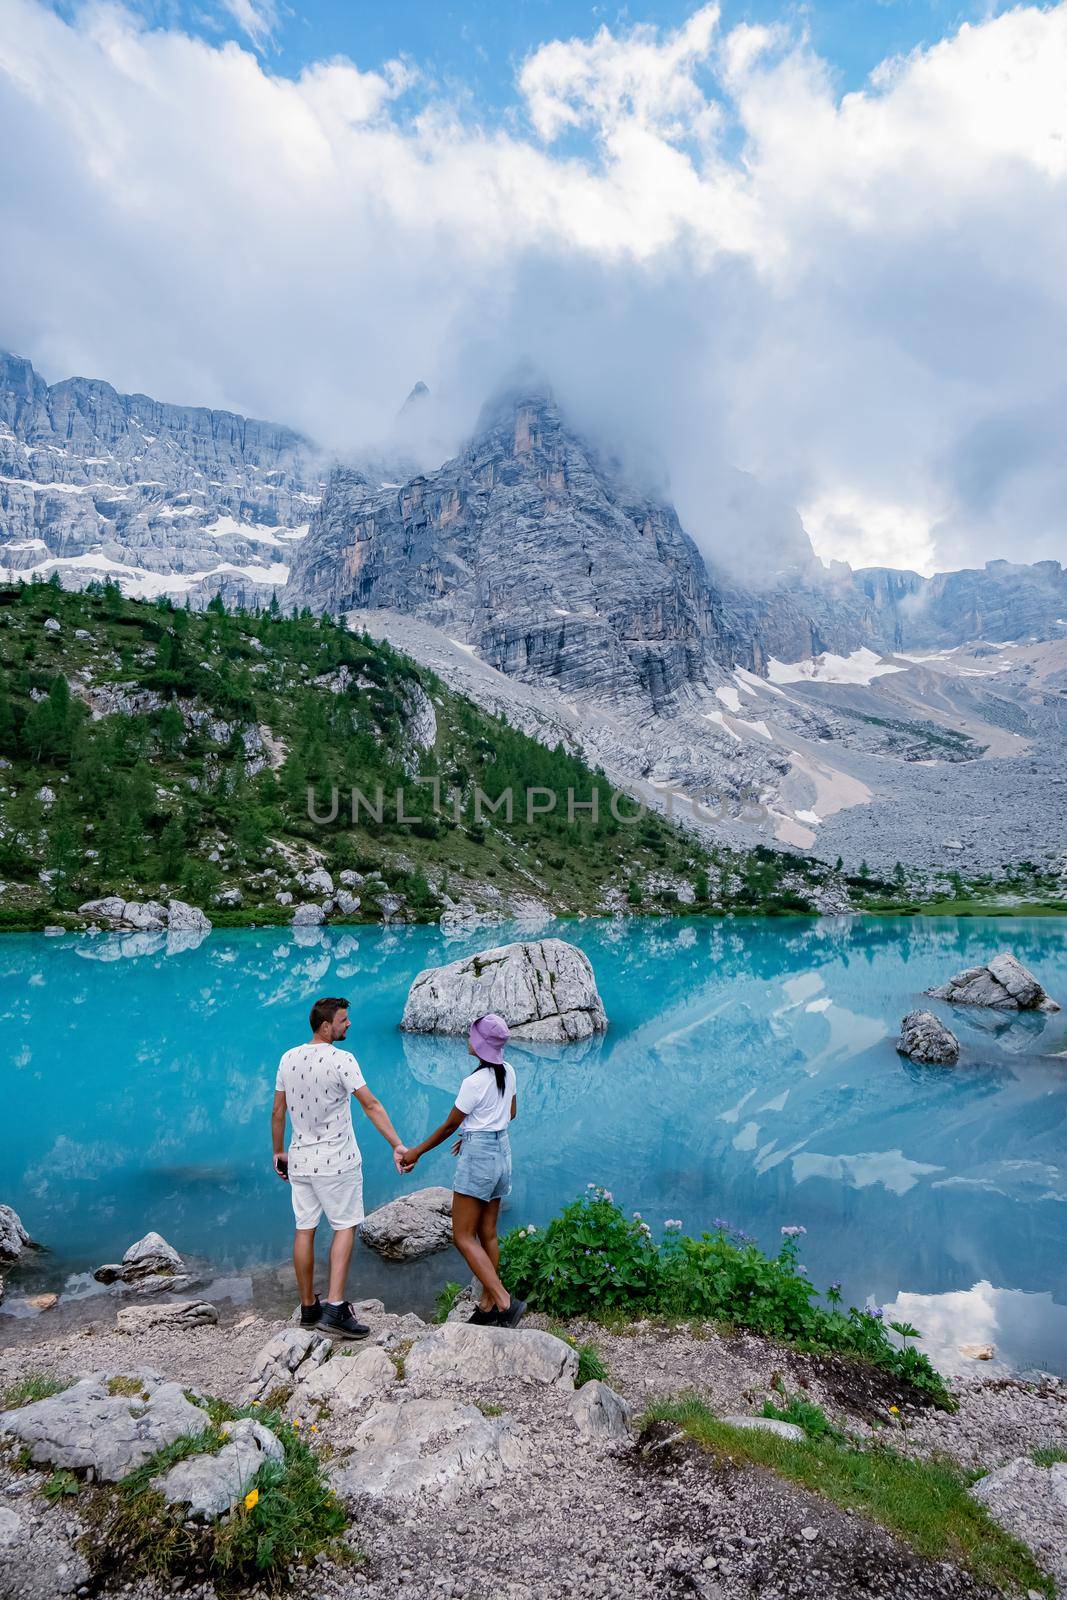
column 378, row 1115
column 277, row 1132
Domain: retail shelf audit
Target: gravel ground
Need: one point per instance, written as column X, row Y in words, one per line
column 642, row 1517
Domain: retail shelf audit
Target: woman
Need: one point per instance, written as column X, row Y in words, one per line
column 483, row 1110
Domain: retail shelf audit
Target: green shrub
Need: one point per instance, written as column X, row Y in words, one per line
column 289, row 1515
column 803, row 1414
column 591, row 1260
column 446, row 1299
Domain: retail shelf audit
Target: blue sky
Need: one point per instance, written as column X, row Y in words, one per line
column 474, row 49
column 826, row 245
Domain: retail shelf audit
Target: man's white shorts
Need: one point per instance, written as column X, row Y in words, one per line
column 338, row 1194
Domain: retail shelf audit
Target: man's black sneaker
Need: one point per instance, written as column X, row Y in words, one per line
column 511, row 1317
column 339, row 1322
column 482, row 1318
column 310, row 1315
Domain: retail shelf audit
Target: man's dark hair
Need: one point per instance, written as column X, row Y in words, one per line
column 325, row 1011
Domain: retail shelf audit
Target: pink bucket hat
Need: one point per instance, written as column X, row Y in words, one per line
column 488, row 1036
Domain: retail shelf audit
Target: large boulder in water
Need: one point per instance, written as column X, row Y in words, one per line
column 13, row 1236
column 545, row 991
column 1005, row 984
column 415, row 1225
column 923, row 1037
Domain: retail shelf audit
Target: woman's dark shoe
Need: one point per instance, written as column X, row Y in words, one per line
column 339, row 1322
column 480, row 1318
column 511, row 1317
column 310, row 1315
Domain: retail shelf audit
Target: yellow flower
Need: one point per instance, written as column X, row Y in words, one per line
column 251, row 1499
column 255, row 1402
column 296, row 1422
column 894, row 1411
column 314, row 1427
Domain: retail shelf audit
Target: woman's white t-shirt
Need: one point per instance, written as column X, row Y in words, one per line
column 485, row 1109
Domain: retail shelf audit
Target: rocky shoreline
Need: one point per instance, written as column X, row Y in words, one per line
column 555, row 1493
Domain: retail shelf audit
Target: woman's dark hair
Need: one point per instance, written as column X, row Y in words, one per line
column 497, row 1069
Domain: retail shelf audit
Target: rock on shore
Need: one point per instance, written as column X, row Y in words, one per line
column 924, row 1037
column 545, row 991
column 1004, row 984
column 146, row 916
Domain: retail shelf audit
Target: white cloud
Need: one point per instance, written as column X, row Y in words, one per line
column 257, row 18
column 860, row 300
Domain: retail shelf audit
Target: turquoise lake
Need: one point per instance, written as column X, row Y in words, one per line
column 749, row 1072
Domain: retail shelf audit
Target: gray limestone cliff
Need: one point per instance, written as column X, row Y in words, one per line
column 161, row 497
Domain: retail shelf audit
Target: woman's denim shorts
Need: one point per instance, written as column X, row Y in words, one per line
column 483, row 1169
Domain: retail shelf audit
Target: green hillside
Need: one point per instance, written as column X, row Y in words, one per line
column 150, row 751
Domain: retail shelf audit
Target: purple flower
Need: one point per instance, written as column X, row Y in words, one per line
column 801, row 1268
column 835, row 1288
column 720, row 1222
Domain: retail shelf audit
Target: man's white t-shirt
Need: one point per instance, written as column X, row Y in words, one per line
column 485, row 1109
column 317, row 1080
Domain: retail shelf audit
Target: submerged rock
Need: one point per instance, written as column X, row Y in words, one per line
column 545, row 991
column 1005, row 984
column 924, row 1037
column 90, row 1426
column 415, row 1225
column 150, row 1260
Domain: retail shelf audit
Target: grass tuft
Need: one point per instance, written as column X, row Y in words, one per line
column 131, row 1387
column 293, row 1518
column 926, row 1503
column 34, row 1386
column 1050, row 1455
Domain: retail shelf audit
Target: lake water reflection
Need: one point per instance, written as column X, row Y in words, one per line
column 749, row 1072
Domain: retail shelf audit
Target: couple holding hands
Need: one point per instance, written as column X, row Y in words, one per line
column 324, row 1169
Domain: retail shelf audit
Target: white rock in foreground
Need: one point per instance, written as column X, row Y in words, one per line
column 784, row 1430
column 88, row 1426
column 286, row 1358
column 1031, row 1502
column 600, row 1413
column 545, row 991
column 475, row 1354
column 415, row 1225
column 925, row 1038
column 211, row 1484
column 1005, row 984
column 409, row 1447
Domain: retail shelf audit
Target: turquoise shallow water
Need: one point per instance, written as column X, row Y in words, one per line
column 748, row 1073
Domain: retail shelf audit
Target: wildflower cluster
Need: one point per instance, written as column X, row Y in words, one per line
column 592, row 1259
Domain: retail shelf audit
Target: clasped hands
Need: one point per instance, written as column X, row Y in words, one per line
column 404, row 1160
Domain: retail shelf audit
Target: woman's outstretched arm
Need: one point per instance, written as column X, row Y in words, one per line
column 447, row 1128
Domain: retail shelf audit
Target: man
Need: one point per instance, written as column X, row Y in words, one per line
column 323, row 1168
